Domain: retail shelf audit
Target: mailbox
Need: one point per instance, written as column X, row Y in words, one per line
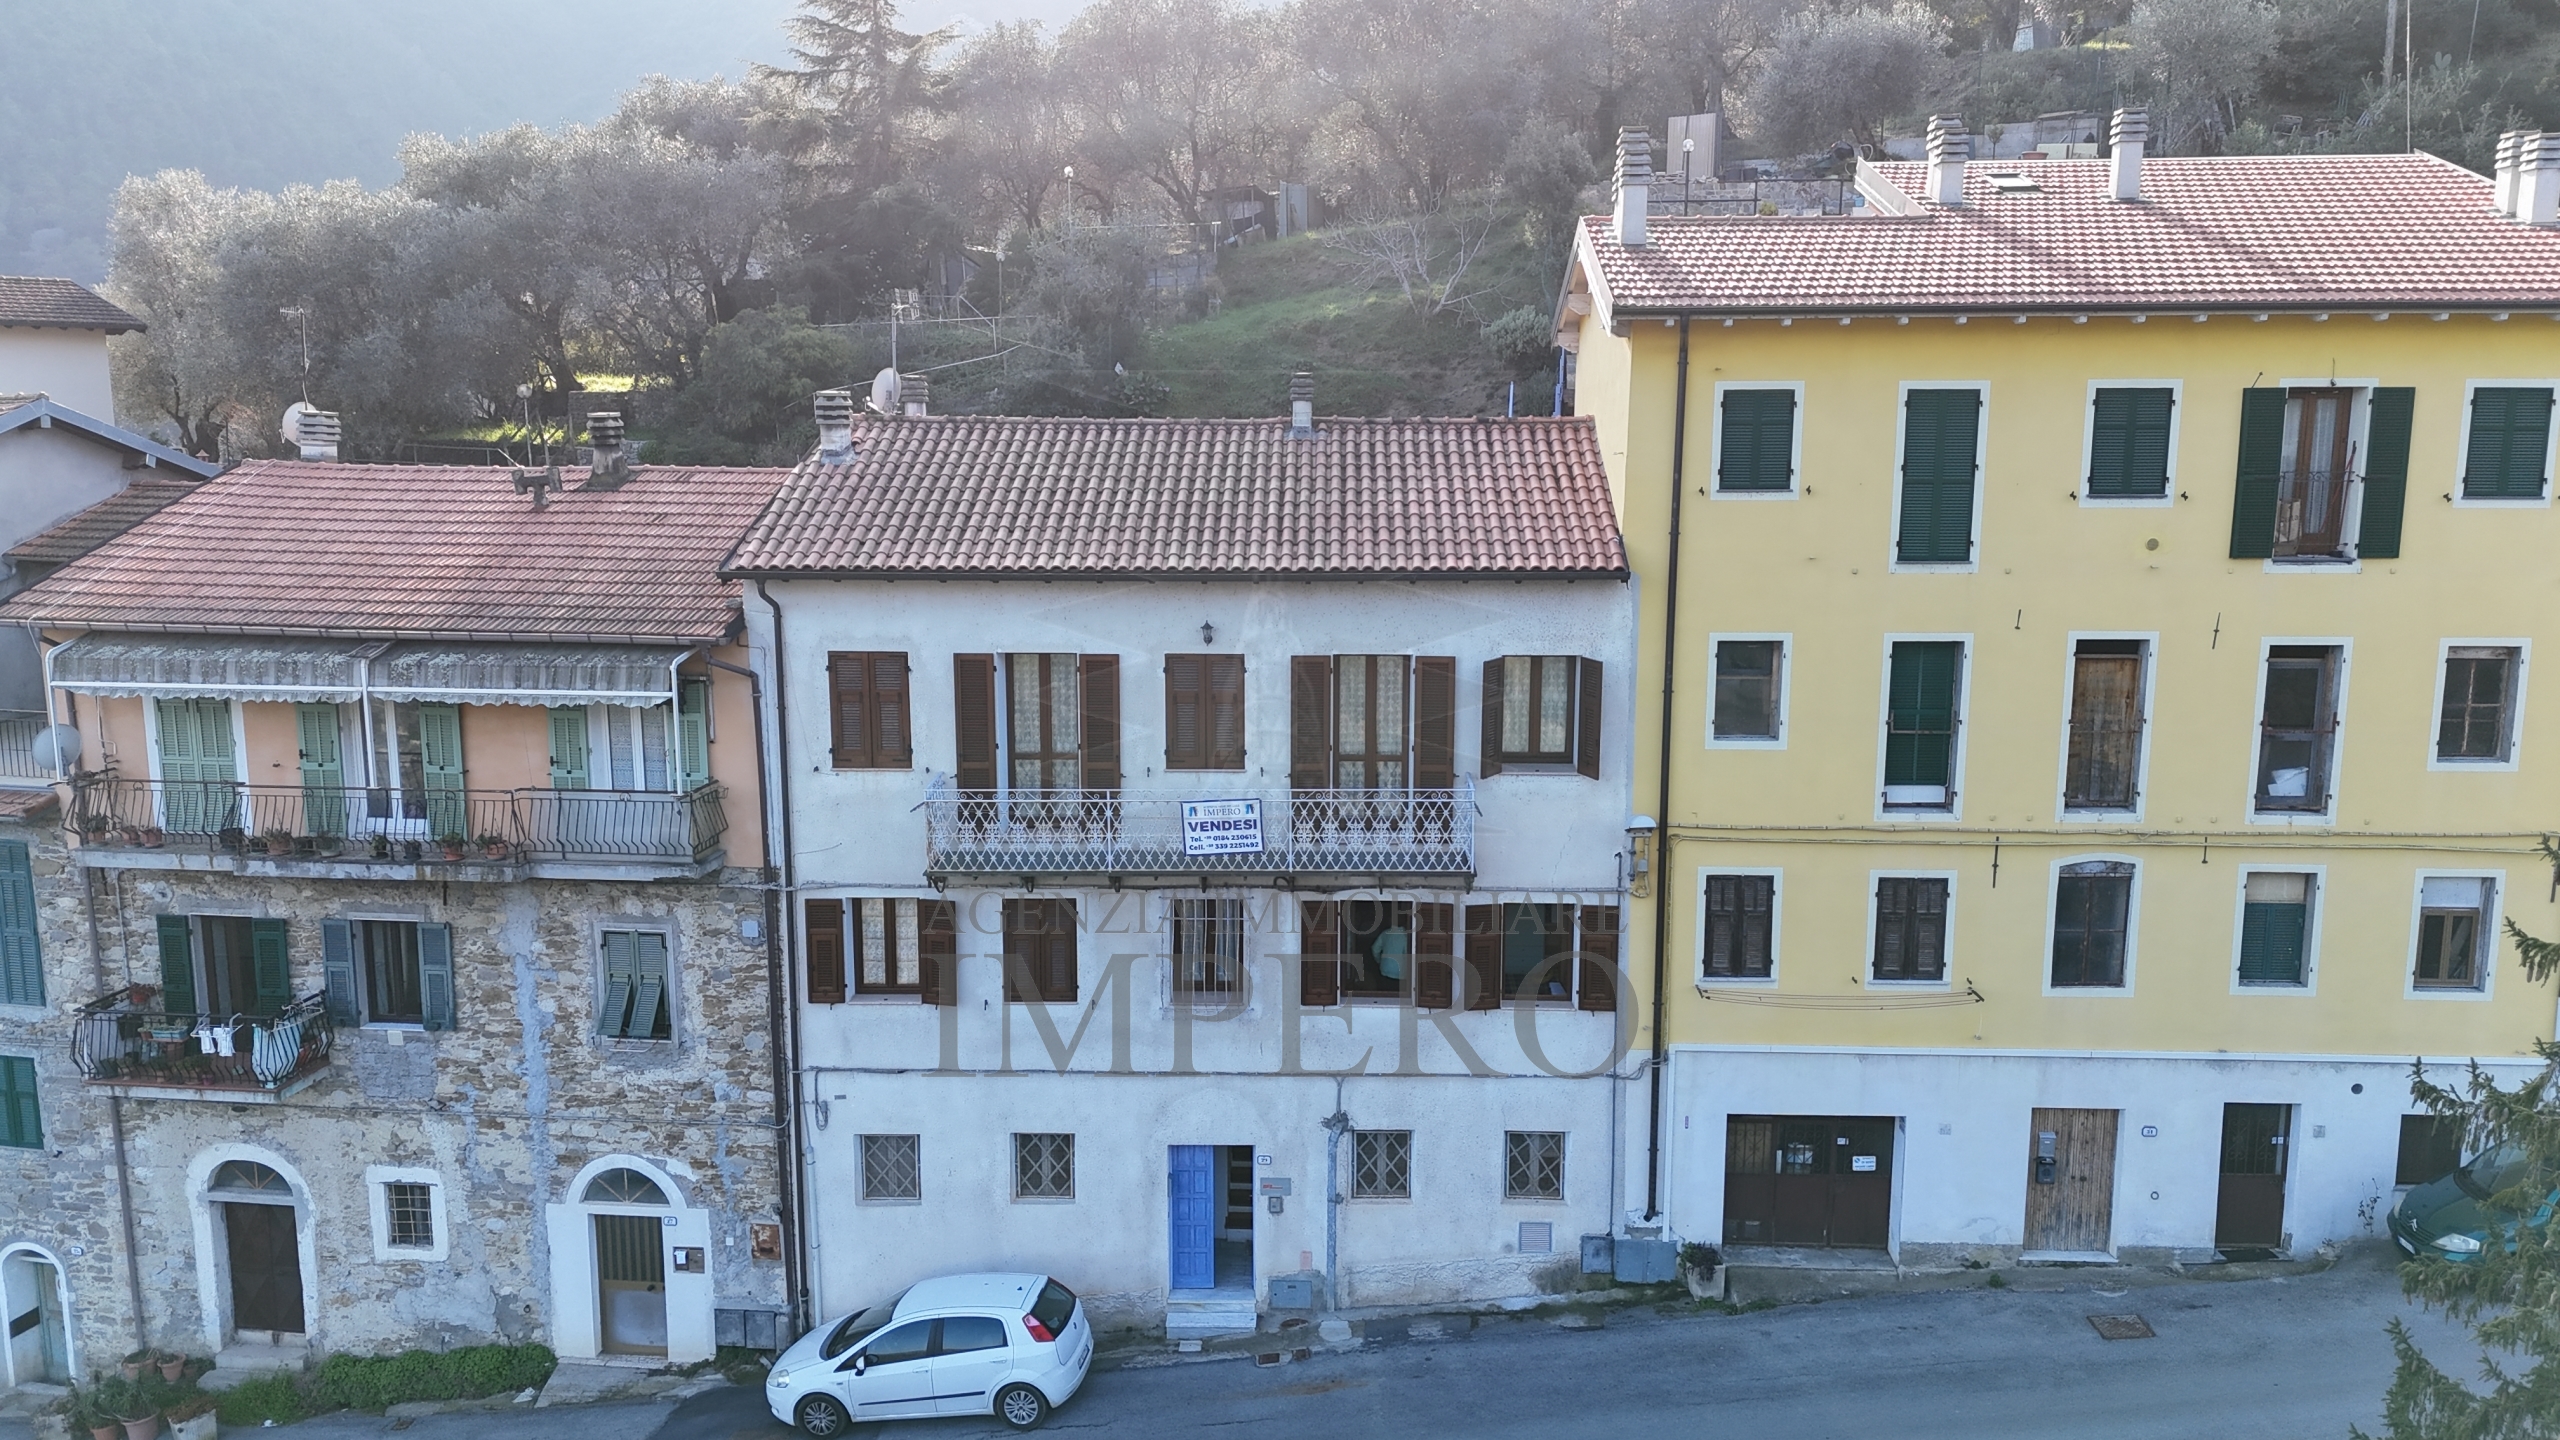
column 2044, row 1157
column 689, row 1260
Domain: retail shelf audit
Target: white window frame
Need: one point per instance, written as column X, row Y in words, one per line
column 1786, row 643
column 2328, row 814
column 2168, row 497
column 377, row 1180
column 1777, row 923
column 2491, row 940
column 2359, row 444
column 862, row 1161
column 2150, row 640
column 601, row 720
column 2053, row 908
column 2523, row 647
column 1867, row 943
column 2313, row 926
column 1795, row 445
column 1914, row 815
column 2462, row 449
column 1981, row 478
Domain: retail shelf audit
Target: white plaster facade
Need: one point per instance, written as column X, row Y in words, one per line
column 69, row 365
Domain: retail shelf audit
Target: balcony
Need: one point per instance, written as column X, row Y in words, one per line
column 134, row 1048
column 1366, row 834
column 487, row 834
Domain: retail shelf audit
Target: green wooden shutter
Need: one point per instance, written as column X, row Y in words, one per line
column 2386, row 471
column 440, row 760
column 324, row 775
column 177, row 965
column 2129, row 443
column 1755, row 449
column 618, row 980
column 649, row 986
column 2253, row 499
column 1921, row 706
column 338, row 969
column 569, row 748
column 1941, row 430
column 21, row 1118
column 272, row 964
column 2509, row 453
column 435, row 975
column 2271, row 943
column 196, row 765
column 21, row 947
column 693, row 733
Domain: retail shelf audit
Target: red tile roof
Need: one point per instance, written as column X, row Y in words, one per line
column 983, row 495
column 44, row 302
column 81, row 533
column 283, row 547
column 2236, row 232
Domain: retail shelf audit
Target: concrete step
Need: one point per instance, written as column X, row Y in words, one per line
column 1200, row 1315
column 247, row 1360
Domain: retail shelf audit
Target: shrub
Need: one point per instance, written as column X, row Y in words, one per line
column 259, row 1400
column 358, row 1382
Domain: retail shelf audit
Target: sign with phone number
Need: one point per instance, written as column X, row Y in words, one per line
column 1221, row 827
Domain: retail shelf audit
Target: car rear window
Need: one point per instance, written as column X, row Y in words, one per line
column 964, row 1333
column 1056, row 1305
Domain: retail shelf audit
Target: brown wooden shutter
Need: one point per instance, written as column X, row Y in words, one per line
column 1435, row 722
column 938, row 950
column 892, row 739
column 1492, row 741
column 1225, row 713
column 1434, row 950
column 1599, row 988
column 1099, row 687
column 824, row 922
column 1185, row 738
column 1586, row 720
column 2105, row 735
column 1311, row 723
column 1021, row 950
column 973, row 730
column 1320, row 953
column 849, row 718
column 1058, row 951
column 1484, row 957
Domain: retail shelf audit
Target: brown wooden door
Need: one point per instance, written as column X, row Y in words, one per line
column 1808, row 1180
column 2249, row 1211
column 631, row 1284
column 266, row 1268
column 2074, row 1209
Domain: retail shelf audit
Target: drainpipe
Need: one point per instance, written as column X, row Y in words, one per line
column 795, row 1219
column 1335, row 1125
column 1662, row 808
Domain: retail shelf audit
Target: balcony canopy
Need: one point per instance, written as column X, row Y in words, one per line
column 256, row 668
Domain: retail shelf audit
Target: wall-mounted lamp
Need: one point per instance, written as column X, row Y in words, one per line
column 1640, row 838
column 1208, row 633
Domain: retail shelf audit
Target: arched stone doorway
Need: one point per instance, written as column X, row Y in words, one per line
column 254, row 1256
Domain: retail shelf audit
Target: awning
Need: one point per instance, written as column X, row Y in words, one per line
column 250, row 668
column 173, row 667
column 526, row 674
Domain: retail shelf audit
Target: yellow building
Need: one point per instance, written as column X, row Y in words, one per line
column 2097, row 757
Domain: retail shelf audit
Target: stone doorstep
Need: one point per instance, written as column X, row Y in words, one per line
column 1287, row 1330
column 585, row 1382
column 1758, row 1279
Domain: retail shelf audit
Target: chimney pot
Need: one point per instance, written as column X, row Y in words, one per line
column 2125, row 139
column 2531, row 186
column 915, row 394
column 1302, row 405
column 316, row 434
column 1949, row 147
column 2510, row 149
column 834, row 409
column 1634, row 183
column 611, row 464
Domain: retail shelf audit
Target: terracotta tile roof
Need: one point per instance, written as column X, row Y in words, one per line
column 284, row 547
column 95, row 526
column 24, row 804
column 985, row 495
column 2237, row 232
column 48, row 303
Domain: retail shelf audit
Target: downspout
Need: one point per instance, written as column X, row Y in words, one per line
column 1335, row 1125
column 796, row 1219
column 1662, row 806
column 777, row 1006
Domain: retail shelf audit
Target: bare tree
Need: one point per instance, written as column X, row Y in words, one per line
column 1017, row 133
column 2205, row 57
column 1416, row 98
column 1834, row 75
column 1428, row 254
column 1169, row 92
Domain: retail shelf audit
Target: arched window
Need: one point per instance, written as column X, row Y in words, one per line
column 238, row 1176
column 624, row 1187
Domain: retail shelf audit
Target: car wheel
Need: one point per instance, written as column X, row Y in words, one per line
column 1022, row 1406
column 824, row 1415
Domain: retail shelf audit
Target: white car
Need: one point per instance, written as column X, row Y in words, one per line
column 1014, row 1346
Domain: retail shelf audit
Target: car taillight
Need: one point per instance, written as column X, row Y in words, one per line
column 1038, row 1331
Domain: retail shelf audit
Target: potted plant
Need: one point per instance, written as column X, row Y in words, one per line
column 232, row 838
column 128, row 835
column 494, row 846
column 88, row 1415
column 452, row 843
column 193, row 1417
column 381, row 847
column 412, row 850
column 153, row 837
column 94, row 828
column 279, row 842
column 172, row 1365
column 1698, row 1267
column 136, row 996
column 132, row 1365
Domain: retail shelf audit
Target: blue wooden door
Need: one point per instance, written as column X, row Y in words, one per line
column 1193, row 1188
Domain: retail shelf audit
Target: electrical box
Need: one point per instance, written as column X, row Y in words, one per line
column 689, row 1260
column 1293, row 1292
column 1646, row 1262
column 1596, row 1259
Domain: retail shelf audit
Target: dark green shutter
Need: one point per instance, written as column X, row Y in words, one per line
column 2253, row 500
column 2129, row 443
column 324, row 774
column 435, row 975
column 2510, row 445
column 693, row 733
column 440, row 758
column 569, row 748
column 177, row 965
column 1940, row 435
column 1921, row 704
column 1755, row 451
column 338, row 969
column 21, row 1118
column 21, row 948
column 2271, row 943
column 649, row 987
column 272, row 965
column 2386, row 471
column 618, row 970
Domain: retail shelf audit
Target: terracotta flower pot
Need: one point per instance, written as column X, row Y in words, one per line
column 172, row 1368
column 146, row 1428
column 106, row 1432
column 136, row 995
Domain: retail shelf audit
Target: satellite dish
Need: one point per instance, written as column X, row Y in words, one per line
column 57, row 748
column 292, row 425
column 884, row 392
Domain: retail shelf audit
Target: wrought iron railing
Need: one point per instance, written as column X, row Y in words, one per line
column 1018, row 832
column 402, row 826
column 18, row 732
column 116, row 1041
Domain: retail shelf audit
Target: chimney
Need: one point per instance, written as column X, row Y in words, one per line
column 835, row 425
column 2510, row 150
column 2535, row 190
column 1302, row 406
column 612, row 464
column 1949, row 148
column 2124, row 149
column 316, row 432
column 1635, row 182
column 915, row 395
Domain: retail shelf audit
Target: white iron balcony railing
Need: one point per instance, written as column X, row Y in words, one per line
column 1100, row 832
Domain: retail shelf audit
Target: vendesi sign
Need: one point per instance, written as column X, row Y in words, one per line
column 1221, row 827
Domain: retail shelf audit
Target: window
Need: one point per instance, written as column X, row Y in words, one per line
column 636, row 747
column 2300, row 468
column 2275, row 928
column 2453, row 931
column 2129, row 429
column 1376, row 949
column 2311, row 496
column 2297, row 724
column 1204, row 712
column 962, row 1334
column 21, row 1118
column 623, row 1186
column 248, row 1177
column 884, row 947
column 867, row 716
column 409, row 1212
column 636, row 1004
column 2507, row 453
column 224, row 965
column 1543, row 954
column 1381, row 1164
column 1756, row 440
column 888, row 952
column 1911, row 928
column 1044, row 1167
column 1748, row 689
column 1532, row 1165
column 1541, row 710
column 21, row 947
column 1741, row 924
column 1208, row 951
column 899, row 1345
column 1369, row 730
column 393, row 988
column 1040, row 722
column 1377, row 946
column 891, row 1169
column 2430, row 1149
column 2478, row 720
column 1941, row 434
column 386, row 972
column 2092, row 906
column 1920, row 724
column 2102, row 760
column 1040, row 951
column 1373, row 722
